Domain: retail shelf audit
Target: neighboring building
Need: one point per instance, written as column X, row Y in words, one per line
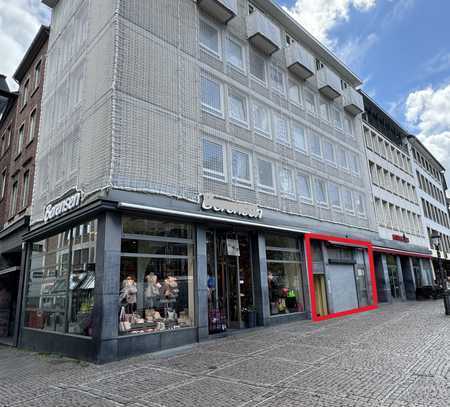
column 19, row 130
column 194, row 158
column 402, row 255
column 432, row 189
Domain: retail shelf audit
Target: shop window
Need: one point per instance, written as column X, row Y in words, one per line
column 209, row 38
column 156, row 290
column 284, row 275
column 261, row 119
column 60, row 293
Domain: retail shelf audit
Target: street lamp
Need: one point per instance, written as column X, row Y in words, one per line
column 436, row 242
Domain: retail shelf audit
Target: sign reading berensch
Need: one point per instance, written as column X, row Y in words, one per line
column 212, row 203
column 63, row 206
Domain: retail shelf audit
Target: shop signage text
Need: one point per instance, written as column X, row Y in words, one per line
column 63, row 206
column 212, row 203
column 400, row 238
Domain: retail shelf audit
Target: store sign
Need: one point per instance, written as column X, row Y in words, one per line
column 400, row 238
column 62, row 206
column 212, row 203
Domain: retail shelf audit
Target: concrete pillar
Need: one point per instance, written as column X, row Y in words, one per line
column 107, row 285
column 305, row 280
column 261, row 287
column 201, row 284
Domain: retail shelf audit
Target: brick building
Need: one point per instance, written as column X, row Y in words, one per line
column 19, row 127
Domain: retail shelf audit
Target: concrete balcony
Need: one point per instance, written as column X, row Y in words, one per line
column 299, row 61
column 221, row 10
column 50, row 3
column 262, row 33
column 329, row 83
column 353, row 101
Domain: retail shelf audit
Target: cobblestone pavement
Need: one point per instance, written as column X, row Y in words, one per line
column 396, row 356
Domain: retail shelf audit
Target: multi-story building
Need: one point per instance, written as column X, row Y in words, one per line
column 402, row 255
column 19, row 129
column 432, row 189
column 199, row 163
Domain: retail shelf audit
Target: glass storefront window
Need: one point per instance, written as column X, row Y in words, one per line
column 156, row 276
column 60, row 292
column 284, row 275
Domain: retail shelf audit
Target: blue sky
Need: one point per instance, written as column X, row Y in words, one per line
column 400, row 48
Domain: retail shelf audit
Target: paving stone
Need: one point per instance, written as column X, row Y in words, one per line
column 298, row 353
column 422, row 390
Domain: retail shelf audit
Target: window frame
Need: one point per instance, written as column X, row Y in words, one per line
column 37, row 74
column 276, row 116
column 266, row 188
column 4, row 180
column 344, row 203
column 240, row 182
column 233, row 93
column 287, row 194
column 20, row 139
column 209, row 174
column 296, row 125
column 267, row 134
column 338, row 189
column 273, row 84
column 305, row 93
column 306, row 199
column 333, row 150
column 13, row 199
column 319, row 137
column 217, row 54
column 210, row 109
column 325, row 203
column 32, row 126
column 291, row 84
column 25, row 189
column 264, row 82
column 243, row 68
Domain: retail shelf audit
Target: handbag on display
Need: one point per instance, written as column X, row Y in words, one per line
column 124, row 325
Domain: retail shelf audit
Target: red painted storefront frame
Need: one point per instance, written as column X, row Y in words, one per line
column 309, row 259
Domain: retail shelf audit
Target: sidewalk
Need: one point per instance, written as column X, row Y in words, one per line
column 396, row 356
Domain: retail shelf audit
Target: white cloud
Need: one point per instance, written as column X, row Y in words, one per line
column 428, row 112
column 354, row 50
column 319, row 17
column 19, row 23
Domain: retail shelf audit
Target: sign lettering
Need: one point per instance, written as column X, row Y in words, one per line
column 211, row 203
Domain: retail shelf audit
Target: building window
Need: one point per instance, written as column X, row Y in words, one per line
column 287, row 183
column 37, row 75
column 299, row 138
column 20, row 139
column 241, row 168
column 359, row 203
column 310, row 103
column 281, row 129
column 342, row 159
column 320, row 191
column 277, row 79
column 157, row 276
column 3, row 180
column 60, row 292
column 324, row 109
column 266, row 179
column 210, row 38
column 355, row 163
column 257, row 66
column 212, row 96
column 235, row 54
column 213, row 160
column 25, row 189
column 25, row 93
column 284, row 275
column 261, row 119
column 338, row 119
column 238, row 107
column 328, row 152
column 348, row 126
column 315, row 144
column 294, row 93
column 13, row 200
column 32, row 127
column 335, row 195
column 348, row 200
column 304, row 187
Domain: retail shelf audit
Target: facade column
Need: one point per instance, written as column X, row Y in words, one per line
column 201, row 284
column 22, row 291
column 107, row 285
column 262, row 302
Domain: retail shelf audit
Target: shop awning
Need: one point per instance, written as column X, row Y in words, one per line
column 399, row 252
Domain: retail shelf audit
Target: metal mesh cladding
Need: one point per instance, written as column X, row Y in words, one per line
column 122, row 109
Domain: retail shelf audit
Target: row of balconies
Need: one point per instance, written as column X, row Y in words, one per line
column 266, row 37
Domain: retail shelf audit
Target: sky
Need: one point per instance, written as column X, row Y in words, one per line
column 399, row 48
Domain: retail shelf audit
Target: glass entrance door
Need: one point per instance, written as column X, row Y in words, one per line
column 230, row 279
column 394, row 279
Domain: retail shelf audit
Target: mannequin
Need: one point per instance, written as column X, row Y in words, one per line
column 128, row 294
column 153, row 290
